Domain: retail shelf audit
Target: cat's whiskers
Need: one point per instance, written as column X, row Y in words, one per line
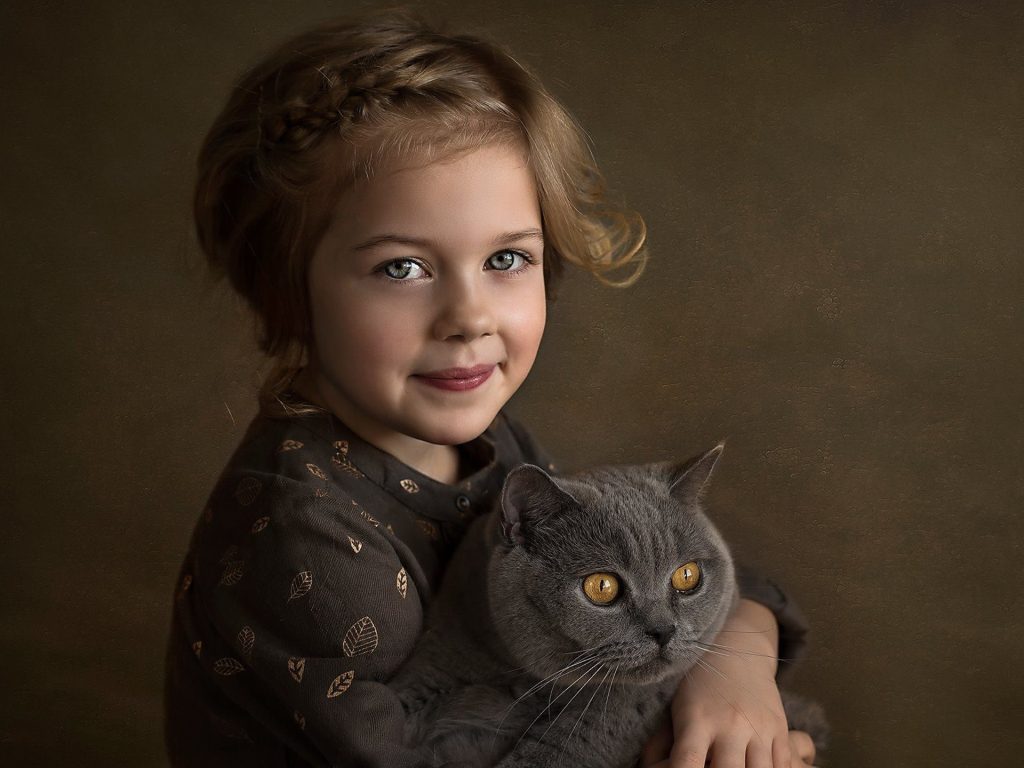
column 537, row 686
column 589, row 702
column 609, row 694
column 737, row 651
column 596, row 667
column 571, row 700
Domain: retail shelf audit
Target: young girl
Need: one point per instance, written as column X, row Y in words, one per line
column 396, row 205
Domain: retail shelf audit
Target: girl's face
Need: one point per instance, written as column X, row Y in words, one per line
column 427, row 298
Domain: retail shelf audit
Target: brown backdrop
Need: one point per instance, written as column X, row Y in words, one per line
column 834, row 196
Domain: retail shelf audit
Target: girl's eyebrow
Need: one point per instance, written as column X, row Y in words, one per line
column 505, row 237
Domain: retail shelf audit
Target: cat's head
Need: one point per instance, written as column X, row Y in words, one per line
column 615, row 566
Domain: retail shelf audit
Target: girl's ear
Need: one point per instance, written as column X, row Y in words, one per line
column 528, row 497
column 687, row 480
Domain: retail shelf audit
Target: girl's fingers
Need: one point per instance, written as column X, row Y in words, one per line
column 729, row 754
column 689, row 752
column 758, row 756
column 800, row 744
column 781, row 754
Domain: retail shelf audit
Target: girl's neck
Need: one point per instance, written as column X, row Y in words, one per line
column 439, row 462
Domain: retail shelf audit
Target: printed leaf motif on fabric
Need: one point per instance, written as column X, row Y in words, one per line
column 361, row 638
column 301, row 584
column 402, row 582
column 409, row 486
column 227, row 666
column 260, row 524
column 355, row 544
column 340, row 684
column 315, row 471
column 320, row 493
column 430, row 530
column 289, row 445
column 296, row 668
column 246, row 638
column 341, row 460
column 197, row 648
column 233, row 572
column 300, row 720
column 367, row 516
column 247, row 490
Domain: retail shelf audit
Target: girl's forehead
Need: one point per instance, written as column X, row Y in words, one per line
column 477, row 191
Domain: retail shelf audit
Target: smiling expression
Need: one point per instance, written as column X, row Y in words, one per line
column 427, row 299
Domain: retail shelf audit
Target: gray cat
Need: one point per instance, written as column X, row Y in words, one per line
column 567, row 618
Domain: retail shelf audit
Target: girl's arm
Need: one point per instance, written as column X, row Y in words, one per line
column 297, row 616
column 728, row 707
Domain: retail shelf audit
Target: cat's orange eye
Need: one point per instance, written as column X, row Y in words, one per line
column 601, row 588
column 685, row 578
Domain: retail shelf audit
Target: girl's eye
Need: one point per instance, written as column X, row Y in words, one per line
column 686, row 578
column 508, row 261
column 402, row 269
column 601, row 588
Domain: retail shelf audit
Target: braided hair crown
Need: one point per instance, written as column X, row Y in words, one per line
column 339, row 102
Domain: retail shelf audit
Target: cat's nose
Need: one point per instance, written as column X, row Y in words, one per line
column 662, row 634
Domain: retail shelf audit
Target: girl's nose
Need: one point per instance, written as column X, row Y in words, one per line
column 463, row 312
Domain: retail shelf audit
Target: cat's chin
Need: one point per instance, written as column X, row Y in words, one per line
column 654, row 670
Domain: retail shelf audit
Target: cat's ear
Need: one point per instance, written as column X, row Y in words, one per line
column 687, row 480
column 528, row 497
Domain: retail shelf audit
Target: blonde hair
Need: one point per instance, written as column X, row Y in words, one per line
column 335, row 104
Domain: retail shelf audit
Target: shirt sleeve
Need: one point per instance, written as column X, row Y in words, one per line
column 793, row 626
column 310, row 612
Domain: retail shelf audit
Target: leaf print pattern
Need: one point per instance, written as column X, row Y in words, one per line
column 315, row 471
column 233, row 572
column 355, row 544
column 402, row 582
column 340, row 684
column 367, row 516
column 296, row 668
column 289, row 445
column 260, row 524
column 246, row 638
column 320, row 493
column 409, row 486
column 429, row 529
column 361, row 638
column 340, row 458
column 247, row 490
column 197, row 648
column 300, row 720
column 227, row 666
column 301, row 584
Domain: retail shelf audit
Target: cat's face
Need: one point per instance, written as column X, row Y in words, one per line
column 612, row 571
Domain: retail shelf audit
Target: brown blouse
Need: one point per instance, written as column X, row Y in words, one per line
column 305, row 585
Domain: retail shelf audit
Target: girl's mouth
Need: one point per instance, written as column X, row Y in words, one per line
column 457, row 379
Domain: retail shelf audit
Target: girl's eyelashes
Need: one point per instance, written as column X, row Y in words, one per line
column 409, row 269
column 402, row 269
column 510, row 261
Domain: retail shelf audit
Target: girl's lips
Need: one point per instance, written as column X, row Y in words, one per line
column 457, row 379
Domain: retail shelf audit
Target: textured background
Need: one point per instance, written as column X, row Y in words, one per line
column 834, row 194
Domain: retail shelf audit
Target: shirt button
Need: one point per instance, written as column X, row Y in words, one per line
column 463, row 504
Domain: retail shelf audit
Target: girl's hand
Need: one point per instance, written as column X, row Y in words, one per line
column 727, row 712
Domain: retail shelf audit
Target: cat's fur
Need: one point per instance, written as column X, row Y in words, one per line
column 518, row 668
